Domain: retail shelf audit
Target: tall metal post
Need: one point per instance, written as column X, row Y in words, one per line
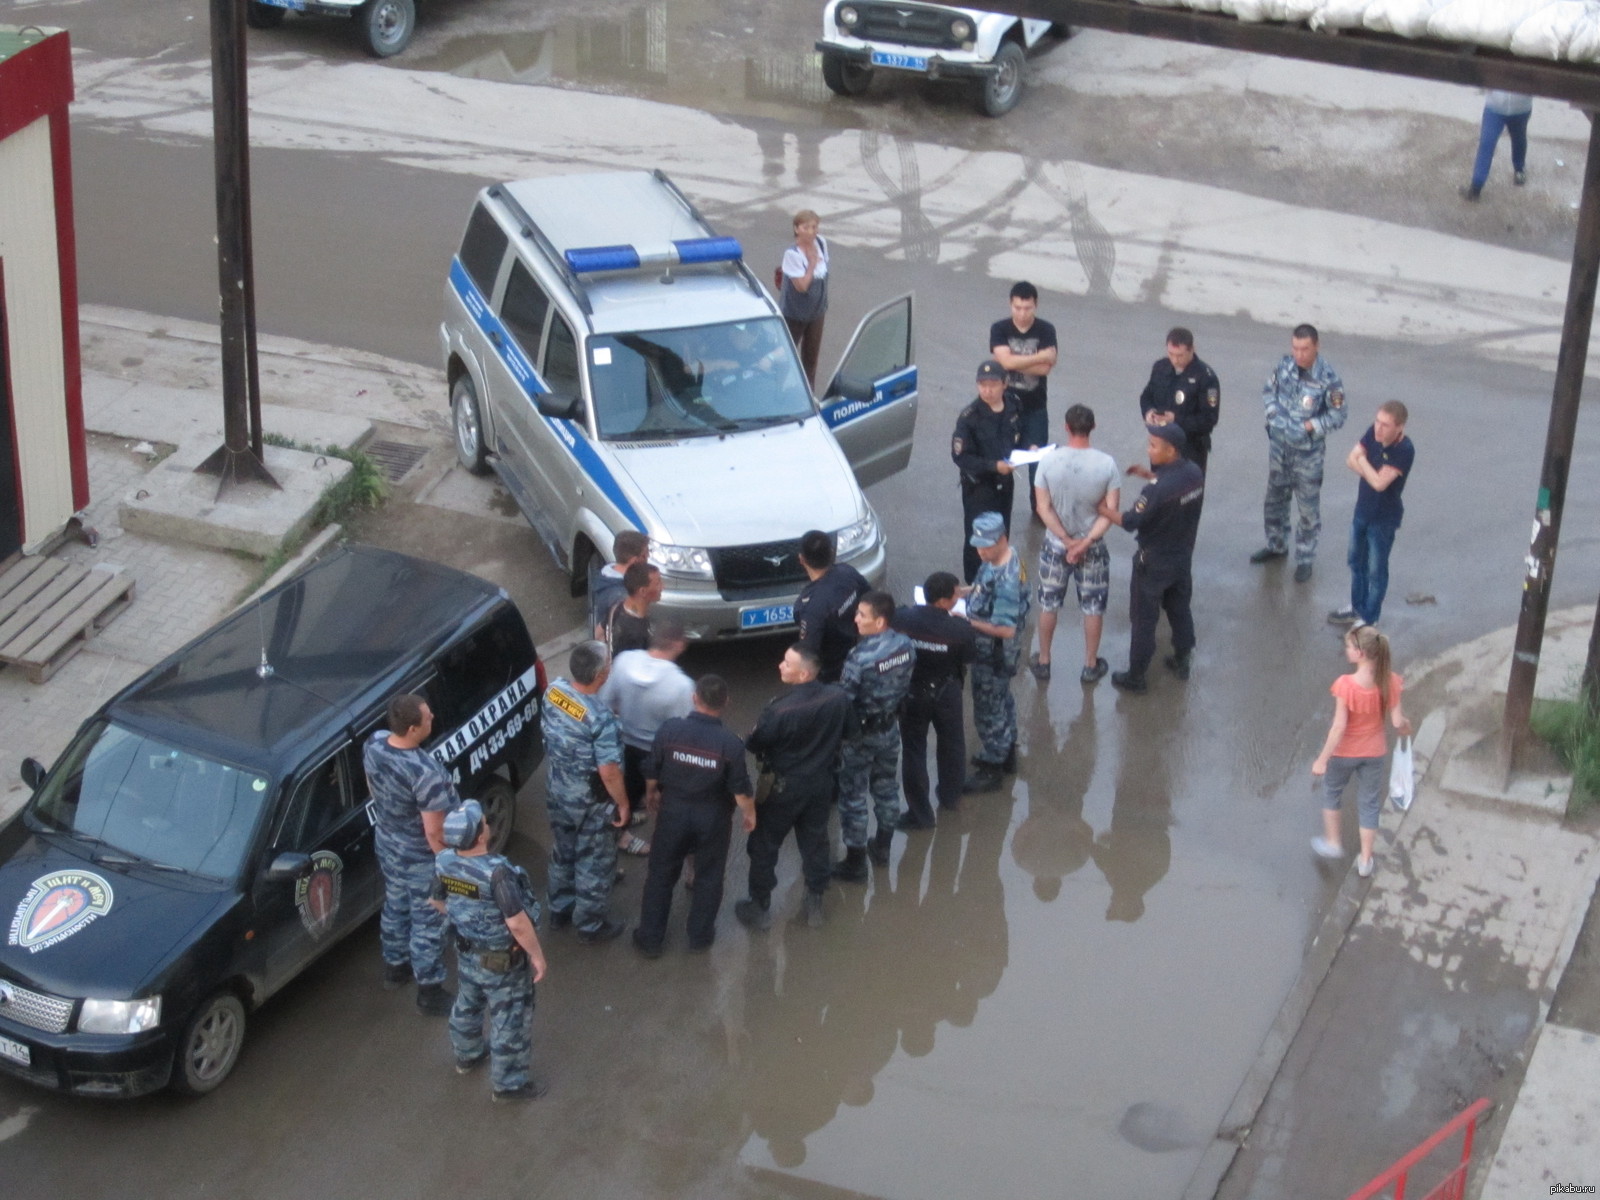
column 1570, row 364
column 235, row 461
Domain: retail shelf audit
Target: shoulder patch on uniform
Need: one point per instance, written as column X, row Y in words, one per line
column 1211, row 397
column 1336, row 398
column 572, row 707
column 955, row 445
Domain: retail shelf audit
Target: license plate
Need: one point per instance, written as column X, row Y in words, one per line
column 905, row 62
column 16, row 1052
column 760, row 618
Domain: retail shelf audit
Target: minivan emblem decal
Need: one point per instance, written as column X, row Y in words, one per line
column 57, row 906
column 316, row 894
column 776, row 560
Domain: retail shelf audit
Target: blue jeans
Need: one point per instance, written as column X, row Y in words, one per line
column 1489, row 138
column 1370, row 544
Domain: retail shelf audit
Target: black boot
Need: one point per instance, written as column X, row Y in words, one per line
column 1008, row 765
column 852, row 868
column 878, row 847
column 1178, row 664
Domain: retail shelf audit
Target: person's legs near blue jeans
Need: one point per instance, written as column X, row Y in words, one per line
column 1369, row 568
column 1518, row 126
column 1488, row 138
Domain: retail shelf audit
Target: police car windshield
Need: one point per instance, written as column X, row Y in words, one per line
column 709, row 379
column 122, row 791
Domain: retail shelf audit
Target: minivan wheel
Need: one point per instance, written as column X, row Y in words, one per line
column 499, row 805
column 1001, row 89
column 209, row 1046
column 386, row 26
column 467, row 418
column 263, row 16
column 843, row 77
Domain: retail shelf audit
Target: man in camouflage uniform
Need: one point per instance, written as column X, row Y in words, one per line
column 997, row 606
column 1304, row 403
column 410, row 794
column 585, row 793
column 498, row 956
column 876, row 676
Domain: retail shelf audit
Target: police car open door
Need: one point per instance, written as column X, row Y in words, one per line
column 871, row 402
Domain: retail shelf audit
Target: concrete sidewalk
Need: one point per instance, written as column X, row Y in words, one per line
column 152, row 387
column 1429, row 985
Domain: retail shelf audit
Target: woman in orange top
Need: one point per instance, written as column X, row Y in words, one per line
column 1356, row 745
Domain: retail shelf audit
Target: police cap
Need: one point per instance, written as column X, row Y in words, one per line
column 462, row 824
column 1172, row 434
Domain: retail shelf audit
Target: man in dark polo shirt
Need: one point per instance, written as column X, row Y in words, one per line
column 694, row 778
column 1382, row 458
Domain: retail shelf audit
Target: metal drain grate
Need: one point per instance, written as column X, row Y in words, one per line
column 394, row 459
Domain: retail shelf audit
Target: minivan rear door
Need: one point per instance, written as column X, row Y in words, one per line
column 871, row 402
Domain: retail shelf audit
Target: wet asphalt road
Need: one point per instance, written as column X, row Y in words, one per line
column 1056, row 993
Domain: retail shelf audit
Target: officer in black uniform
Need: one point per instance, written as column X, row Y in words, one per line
column 797, row 740
column 694, row 777
column 825, row 610
column 1165, row 519
column 987, row 431
column 1184, row 391
column 944, row 644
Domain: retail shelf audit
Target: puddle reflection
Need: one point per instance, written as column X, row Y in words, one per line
column 925, row 948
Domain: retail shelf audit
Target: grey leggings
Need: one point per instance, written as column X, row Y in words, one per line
column 1368, row 773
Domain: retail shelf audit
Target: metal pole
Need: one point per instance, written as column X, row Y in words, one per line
column 1589, row 690
column 1570, row 364
column 234, row 461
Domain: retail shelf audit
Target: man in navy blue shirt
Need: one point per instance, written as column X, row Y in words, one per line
column 1383, row 460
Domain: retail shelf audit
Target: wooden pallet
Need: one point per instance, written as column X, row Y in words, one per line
column 49, row 609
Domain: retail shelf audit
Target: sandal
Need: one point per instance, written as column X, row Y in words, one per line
column 630, row 843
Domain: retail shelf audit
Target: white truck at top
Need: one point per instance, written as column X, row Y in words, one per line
column 860, row 37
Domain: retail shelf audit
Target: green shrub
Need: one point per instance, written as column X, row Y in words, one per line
column 1572, row 730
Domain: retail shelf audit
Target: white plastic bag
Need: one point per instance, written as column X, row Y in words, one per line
column 1402, row 776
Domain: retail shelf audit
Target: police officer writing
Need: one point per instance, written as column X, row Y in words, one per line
column 944, row 646
column 498, row 956
column 1304, row 403
column 694, row 777
column 987, row 431
column 1165, row 519
column 997, row 606
column 1185, row 392
column 410, row 795
column 797, row 740
column 825, row 610
column 585, row 794
column 876, row 677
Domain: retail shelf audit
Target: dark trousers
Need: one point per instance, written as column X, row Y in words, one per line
column 682, row 829
column 633, row 760
column 943, row 711
column 986, row 497
column 804, row 809
column 1158, row 588
column 1033, row 429
column 807, row 337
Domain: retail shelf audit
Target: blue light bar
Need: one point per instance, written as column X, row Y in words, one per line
column 603, row 258
column 688, row 251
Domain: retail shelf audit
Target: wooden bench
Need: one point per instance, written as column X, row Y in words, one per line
column 49, row 609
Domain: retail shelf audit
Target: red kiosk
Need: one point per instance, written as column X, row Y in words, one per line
column 44, row 473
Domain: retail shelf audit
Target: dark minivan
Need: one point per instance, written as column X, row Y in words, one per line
column 207, row 833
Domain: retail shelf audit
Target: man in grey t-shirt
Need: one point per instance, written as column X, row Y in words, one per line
column 1074, row 480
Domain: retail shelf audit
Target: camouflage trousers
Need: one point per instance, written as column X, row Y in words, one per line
column 1297, row 473
column 994, row 711
column 505, row 998
column 410, row 929
column 583, row 862
column 868, row 765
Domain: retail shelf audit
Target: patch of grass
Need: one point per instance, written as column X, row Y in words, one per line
column 362, row 488
column 1572, row 728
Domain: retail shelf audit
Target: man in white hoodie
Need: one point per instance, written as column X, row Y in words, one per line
column 646, row 688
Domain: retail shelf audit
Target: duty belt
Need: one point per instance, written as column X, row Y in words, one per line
column 880, row 723
column 502, row 959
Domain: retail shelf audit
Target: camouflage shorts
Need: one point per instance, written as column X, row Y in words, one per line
column 1093, row 573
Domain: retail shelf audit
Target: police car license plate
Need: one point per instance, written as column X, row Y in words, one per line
column 16, row 1052
column 905, row 62
column 760, row 618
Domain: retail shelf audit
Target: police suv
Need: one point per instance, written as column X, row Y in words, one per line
column 384, row 26
column 938, row 41
column 208, row 833
column 618, row 366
